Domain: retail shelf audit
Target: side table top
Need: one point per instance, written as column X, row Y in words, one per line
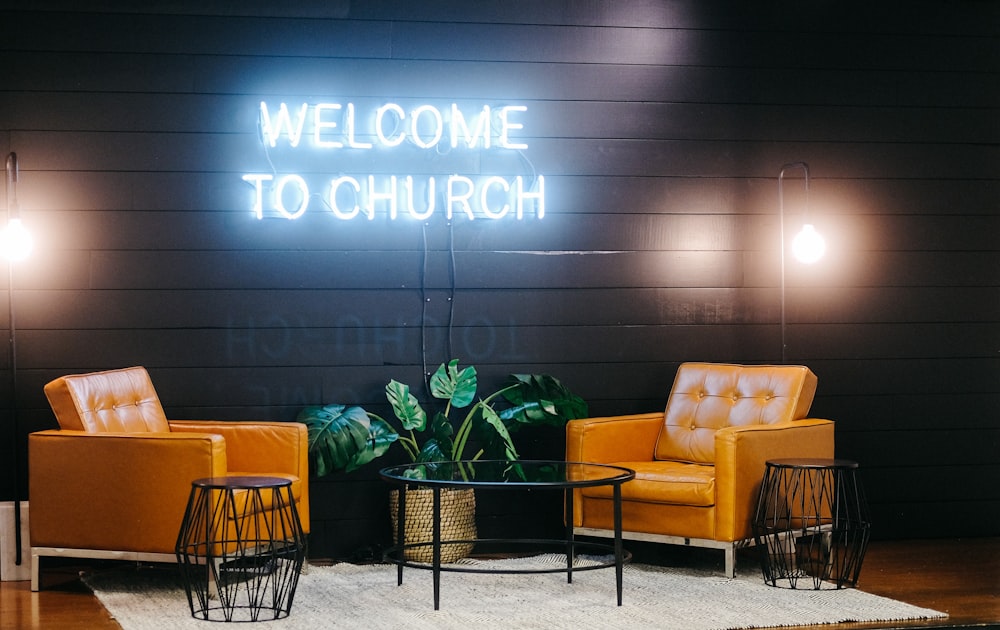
column 812, row 462
column 242, row 481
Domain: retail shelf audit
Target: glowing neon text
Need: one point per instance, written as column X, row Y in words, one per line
column 346, row 197
column 328, row 126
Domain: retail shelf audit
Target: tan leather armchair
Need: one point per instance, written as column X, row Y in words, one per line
column 700, row 462
column 113, row 482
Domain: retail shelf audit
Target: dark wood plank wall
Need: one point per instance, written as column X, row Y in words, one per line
column 660, row 128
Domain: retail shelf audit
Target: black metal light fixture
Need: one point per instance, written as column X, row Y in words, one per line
column 808, row 245
column 16, row 244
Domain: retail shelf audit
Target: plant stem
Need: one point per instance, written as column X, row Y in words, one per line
column 462, row 436
column 410, row 445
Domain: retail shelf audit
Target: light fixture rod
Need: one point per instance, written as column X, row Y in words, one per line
column 12, row 213
column 12, row 173
column 784, row 245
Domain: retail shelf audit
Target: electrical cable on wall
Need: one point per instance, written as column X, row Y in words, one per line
column 453, row 280
column 423, row 310
column 425, row 300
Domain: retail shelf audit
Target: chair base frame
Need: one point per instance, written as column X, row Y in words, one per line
column 728, row 547
column 37, row 553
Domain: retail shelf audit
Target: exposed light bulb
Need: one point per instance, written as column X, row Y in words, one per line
column 808, row 245
column 16, row 242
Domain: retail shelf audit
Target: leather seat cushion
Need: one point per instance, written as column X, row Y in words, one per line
column 677, row 483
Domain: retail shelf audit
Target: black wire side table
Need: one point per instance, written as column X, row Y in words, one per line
column 241, row 548
column 812, row 523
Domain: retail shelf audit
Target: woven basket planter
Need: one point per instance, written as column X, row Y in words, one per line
column 458, row 522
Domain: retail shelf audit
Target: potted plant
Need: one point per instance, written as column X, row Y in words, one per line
column 344, row 438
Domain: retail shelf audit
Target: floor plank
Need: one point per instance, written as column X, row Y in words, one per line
column 65, row 604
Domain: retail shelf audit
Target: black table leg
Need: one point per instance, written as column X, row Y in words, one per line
column 437, row 547
column 619, row 560
column 570, row 538
column 400, row 532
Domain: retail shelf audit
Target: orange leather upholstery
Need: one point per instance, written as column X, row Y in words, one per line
column 699, row 463
column 113, row 482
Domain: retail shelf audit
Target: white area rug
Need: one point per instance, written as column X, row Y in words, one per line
column 366, row 596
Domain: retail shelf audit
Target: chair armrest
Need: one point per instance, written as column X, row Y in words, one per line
column 740, row 456
column 265, row 448
column 115, row 490
column 258, row 447
column 611, row 439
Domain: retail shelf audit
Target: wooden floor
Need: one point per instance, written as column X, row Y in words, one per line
column 959, row 577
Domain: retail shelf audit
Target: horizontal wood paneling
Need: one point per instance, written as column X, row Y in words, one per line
column 946, row 449
column 490, row 342
column 240, row 154
column 869, row 200
column 976, row 18
column 951, row 519
column 199, row 270
column 660, row 128
column 501, row 81
column 603, row 44
column 235, row 114
column 307, row 308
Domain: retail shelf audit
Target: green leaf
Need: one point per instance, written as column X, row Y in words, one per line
column 494, row 420
column 440, row 446
column 449, row 383
column 441, row 427
column 435, row 451
column 344, row 438
column 541, row 399
column 406, row 406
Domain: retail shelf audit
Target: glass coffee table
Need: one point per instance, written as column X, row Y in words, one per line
column 507, row 475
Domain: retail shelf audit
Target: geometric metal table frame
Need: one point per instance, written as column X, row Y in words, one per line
column 811, row 523
column 240, row 548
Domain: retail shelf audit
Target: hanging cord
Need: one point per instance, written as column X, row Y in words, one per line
column 425, row 301
column 453, row 282
column 423, row 311
column 440, row 150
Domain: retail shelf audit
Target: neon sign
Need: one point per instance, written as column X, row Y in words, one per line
column 341, row 127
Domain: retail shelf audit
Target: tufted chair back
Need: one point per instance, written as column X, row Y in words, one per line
column 707, row 397
column 113, row 401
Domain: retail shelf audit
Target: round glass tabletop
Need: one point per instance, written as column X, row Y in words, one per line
column 534, row 473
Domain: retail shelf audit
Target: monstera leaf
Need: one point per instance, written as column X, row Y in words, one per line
column 406, row 406
column 454, row 385
column 344, row 438
column 541, row 399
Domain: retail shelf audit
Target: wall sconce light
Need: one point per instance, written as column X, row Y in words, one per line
column 15, row 240
column 15, row 245
column 808, row 245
